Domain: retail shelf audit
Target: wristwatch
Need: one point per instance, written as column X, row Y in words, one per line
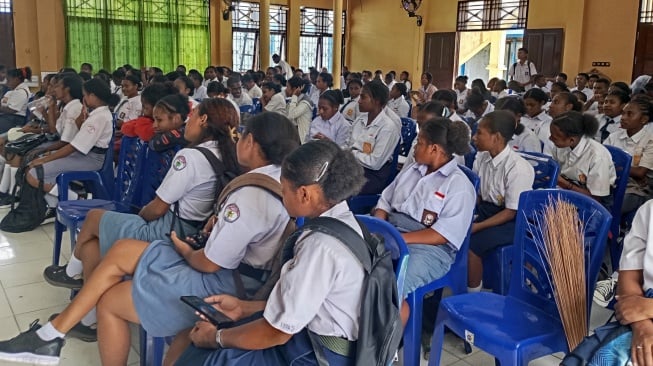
column 218, row 338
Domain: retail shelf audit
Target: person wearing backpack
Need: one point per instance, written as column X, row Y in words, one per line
column 319, row 294
column 523, row 70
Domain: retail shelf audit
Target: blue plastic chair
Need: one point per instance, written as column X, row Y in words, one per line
column 470, row 157
column 152, row 173
column 622, row 163
column 363, row 204
column 70, row 214
column 247, row 109
column 455, row 279
column 408, row 134
column 496, row 265
column 257, row 106
column 525, row 324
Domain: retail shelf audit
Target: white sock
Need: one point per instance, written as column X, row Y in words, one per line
column 6, row 179
column 74, row 266
column 90, row 318
column 12, row 176
column 48, row 332
column 475, row 289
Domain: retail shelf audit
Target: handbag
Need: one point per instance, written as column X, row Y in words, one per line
column 24, row 144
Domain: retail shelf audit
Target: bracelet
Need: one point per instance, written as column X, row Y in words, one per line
column 218, row 338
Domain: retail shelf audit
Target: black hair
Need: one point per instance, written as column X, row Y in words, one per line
column 159, row 79
column 502, row 122
column 209, row 68
column 514, row 105
column 157, row 71
column 576, row 124
column 536, row 94
column 222, row 119
column 118, row 73
column 246, row 78
column 102, row 91
column 523, row 50
column 584, row 74
column 296, row 82
column 216, row 87
column 644, row 104
column 233, row 80
column 571, row 99
column 22, row 73
column 181, row 67
column 322, row 162
column 87, row 65
column 501, row 84
column 68, row 69
column 462, row 78
column 401, row 87
column 104, row 77
column 580, row 96
column 480, row 84
column 594, row 76
column 378, row 91
column 327, row 78
column 563, row 75
column 429, row 76
column 134, row 79
column 86, row 76
column 475, row 99
column 355, row 81
column 195, row 75
column 175, row 103
column 435, row 108
column 623, row 96
column 621, row 85
column 603, row 81
column 280, row 79
column 188, row 83
column 560, row 85
column 272, row 86
column 444, row 95
column 155, row 92
column 74, row 84
column 453, row 137
column 274, row 133
column 173, row 75
column 334, row 97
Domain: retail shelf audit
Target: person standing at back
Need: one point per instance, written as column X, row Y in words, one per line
column 286, row 69
column 523, row 70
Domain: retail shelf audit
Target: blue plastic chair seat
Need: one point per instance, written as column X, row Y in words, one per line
column 70, row 213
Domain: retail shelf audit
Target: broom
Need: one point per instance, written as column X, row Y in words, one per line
column 562, row 232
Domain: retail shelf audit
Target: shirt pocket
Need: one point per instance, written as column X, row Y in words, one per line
column 429, row 212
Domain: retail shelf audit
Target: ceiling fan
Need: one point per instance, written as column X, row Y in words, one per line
column 228, row 9
column 411, row 6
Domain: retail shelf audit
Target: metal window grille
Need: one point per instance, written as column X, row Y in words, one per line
column 482, row 15
column 5, row 6
column 316, row 38
column 646, row 11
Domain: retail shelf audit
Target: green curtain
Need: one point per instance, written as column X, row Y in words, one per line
column 161, row 33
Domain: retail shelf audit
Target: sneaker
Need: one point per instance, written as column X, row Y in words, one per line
column 57, row 276
column 27, row 347
column 50, row 215
column 81, row 331
column 605, row 291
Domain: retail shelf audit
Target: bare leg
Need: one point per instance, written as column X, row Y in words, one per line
column 474, row 270
column 35, row 182
column 404, row 313
column 178, row 346
column 89, row 254
column 115, row 311
column 121, row 260
column 90, row 230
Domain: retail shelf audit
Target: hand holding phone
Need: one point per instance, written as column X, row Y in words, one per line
column 210, row 313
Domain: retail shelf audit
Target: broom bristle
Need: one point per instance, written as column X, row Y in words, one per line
column 563, row 239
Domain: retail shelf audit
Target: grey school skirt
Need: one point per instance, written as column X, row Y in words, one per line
column 73, row 162
column 162, row 276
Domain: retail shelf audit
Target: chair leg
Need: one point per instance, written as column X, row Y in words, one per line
column 59, row 228
column 413, row 331
column 615, row 252
column 143, row 345
column 437, row 342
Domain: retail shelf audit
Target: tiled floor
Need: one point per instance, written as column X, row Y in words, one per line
column 25, row 296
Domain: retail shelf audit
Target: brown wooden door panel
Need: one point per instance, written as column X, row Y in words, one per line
column 440, row 58
column 545, row 49
column 643, row 60
column 7, row 49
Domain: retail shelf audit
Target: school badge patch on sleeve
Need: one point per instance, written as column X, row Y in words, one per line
column 231, row 213
column 179, row 163
column 429, row 218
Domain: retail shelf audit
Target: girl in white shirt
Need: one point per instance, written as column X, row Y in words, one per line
column 329, row 123
column 130, row 106
column 536, row 118
column 460, row 87
column 564, row 102
column 350, row 109
column 404, row 78
column 273, row 100
column 397, row 102
column 13, row 105
column 524, row 139
column 300, row 109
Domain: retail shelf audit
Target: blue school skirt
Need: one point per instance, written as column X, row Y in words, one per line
column 298, row 351
column 116, row 225
column 162, row 276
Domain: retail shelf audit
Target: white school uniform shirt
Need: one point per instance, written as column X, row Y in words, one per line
column 255, row 92
column 588, row 164
column 543, row 88
column 190, row 182
column 593, row 110
column 299, row 111
column 200, row 93
column 409, row 85
column 587, row 91
column 244, row 99
column 315, row 94
column 17, row 99
column 522, row 72
column 116, row 89
column 380, row 137
column 277, row 104
column 442, row 200
column 504, row 177
column 638, row 245
column 337, row 129
column 489, row 108
column 320, row 288
column 541, row 126
column 611, row 128
column 66, row 126
column 249, row 226
column 391, row 84
column 526, row 141
column 129, row 109
column 350, row 109
column 206, row 82
column 461, row 98
column 399, row 106
column 287, row 70
column 97, row 130
column 642, row 141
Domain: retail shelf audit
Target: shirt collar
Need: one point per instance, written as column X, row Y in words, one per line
column 580, row 148
column 99, row 110
column 338, row 210
column 445, row 170
column 503, row 155
column 267, row 170
column 636, row 137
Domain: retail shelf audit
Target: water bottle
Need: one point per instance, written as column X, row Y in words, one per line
column 35, row 106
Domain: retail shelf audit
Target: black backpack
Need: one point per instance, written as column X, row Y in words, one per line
column 380, row 328
column 28, row 210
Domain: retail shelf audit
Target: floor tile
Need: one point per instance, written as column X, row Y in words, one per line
column 23, row 252
column 5, row 309
column 17, row 274
column 8, row 327
column 36, row 296
column 25, row 319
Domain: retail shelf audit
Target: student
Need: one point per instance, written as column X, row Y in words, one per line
column 13, row 105
column 116, row 82
column 524, row 138
column 504, row 176
column 397, row 102
column 86, row 151
column 186, row 88
column 217, row 89
column 581, row 85
column 389, row 80
column 130, row 107
column 523, row 70
column 253, row 90
column 425, row 92
column 200, row 90
column 350, row 109
column 585, row 165
column 480, row 85
column 600, row 90
column 448, row 98
column 404, row 78
column 330, row 124
column 500, row 89
column 323, row 83
column 610, row 119
column 564, row 102
column 300, row 108
column 431, row 203
column 273, row 100
column 477, row 105
column 374, row 137
column 536, row 118
column 367, row 76
column 460, row 87
column 209, row 76
column 539, row 81
column 144, row 126
column 237, row 93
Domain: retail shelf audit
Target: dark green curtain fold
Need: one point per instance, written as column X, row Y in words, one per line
column 161, row 33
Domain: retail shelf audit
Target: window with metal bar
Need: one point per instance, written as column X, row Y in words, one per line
column 316, row 38
column 5, row 6
column 483, row 15
column 646, row 11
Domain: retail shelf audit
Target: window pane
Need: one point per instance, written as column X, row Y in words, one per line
column 243, row 50
column 307, row 52
column 5, row 6
column 327, row 53
column 476, row 15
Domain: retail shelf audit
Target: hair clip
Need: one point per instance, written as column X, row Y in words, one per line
column 323, row 171
column 445, row 112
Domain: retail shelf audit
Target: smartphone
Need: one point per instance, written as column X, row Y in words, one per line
column 214, row 316
column 198, row 242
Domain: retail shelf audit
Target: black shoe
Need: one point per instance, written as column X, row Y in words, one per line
column 50, row 215
column 56, row 276
column 29, row 348
column 81, row 331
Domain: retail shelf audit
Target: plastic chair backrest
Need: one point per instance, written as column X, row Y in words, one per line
column 393, row 164
column 257, row 106
column 132, row 154
column 154, row 170
column 622, row 163
column 458, row 269
column 246, row 108
column 470, row 157
column 546, row 169
column 393, row 242
column 408, row 134
column 530, row 277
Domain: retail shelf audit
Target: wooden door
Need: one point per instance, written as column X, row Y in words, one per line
column 7, row 48
column 643, row 60
column 440, row 53
column 545, row 49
